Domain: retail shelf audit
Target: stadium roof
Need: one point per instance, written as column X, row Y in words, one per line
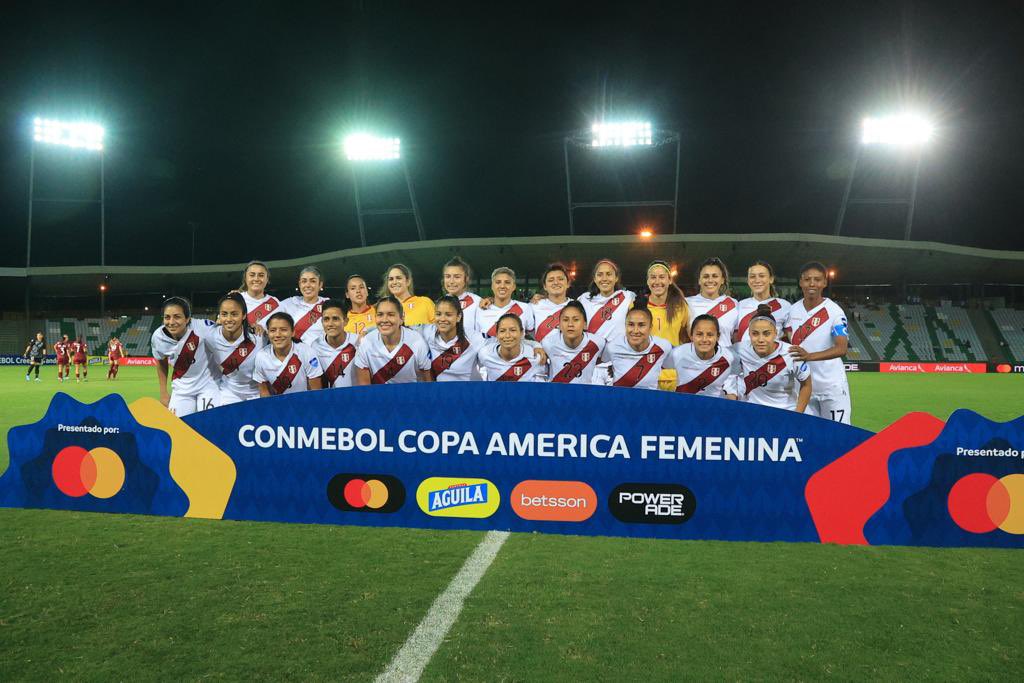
column 857, row 261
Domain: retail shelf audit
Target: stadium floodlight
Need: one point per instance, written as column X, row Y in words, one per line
column 365, row 147
column 646, row 234
column 622, row 134
column 903, row 130
column 77, row 134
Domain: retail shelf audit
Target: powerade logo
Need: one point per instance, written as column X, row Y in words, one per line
column 461, row 497
column 365, row 493
column 652, row 503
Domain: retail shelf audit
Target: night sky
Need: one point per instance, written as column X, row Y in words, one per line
column 230, row 119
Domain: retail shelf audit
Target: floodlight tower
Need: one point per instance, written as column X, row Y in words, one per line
column 77, row 135
column 362, row 148
column 619, row 135
column 903, row 131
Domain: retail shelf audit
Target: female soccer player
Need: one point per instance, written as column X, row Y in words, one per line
column 305, row 309
column 115, row 352
column 63, row 350
column 418, row 310
column 714, row 299
column 547, row 312
column 233, row 346
column 455, row 277
column 392, row 353
column 670, row 314
column 361, row 314
column 258, row 304
column 34, row 352
column 769, row 374
column 336, row 349
column 606, row 302
column 80, row 358
column 453, row 354
column 503, row 286
column 286, row 365
column 510, row 358
column 761, row 278
column 179, row 345
column 703, row 367
column 573, row 353
column 817, row 330
column 636, row 358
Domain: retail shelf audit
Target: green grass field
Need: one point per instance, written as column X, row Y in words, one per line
column 101, row 597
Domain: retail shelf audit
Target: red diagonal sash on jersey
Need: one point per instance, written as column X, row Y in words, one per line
column 745, row 322
column 187, row 356
column 237, row 357
column 723, row 307
column 642, row 367
column 338, row 366
column 494, row 328
column 517, row 371
column 284, row 381
column 393, row 366
column 813, row 322
column 466, row 302
column 605, row 313
column 262, row 310
column 447, row 357
column 550, row 323
column 574, row 368
column 307, row 321
column 761, row 376
column 710, row 374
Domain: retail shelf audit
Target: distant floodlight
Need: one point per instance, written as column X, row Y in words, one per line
column 622, row 134
column 904, row 130
column 363, row 147
column 646, row 233
column 78, row 134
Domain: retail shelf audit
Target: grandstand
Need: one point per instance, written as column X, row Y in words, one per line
column 1010, row 325
column 134, row 332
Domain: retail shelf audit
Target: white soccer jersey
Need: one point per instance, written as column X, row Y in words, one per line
column 572, row 365
column 487, row 318
column 453, row 360
column 523, row 368
column 546, row 316
column 606, row 315
column 694, row 375
column 724, row 308
column 771, row 381
column 632, row 368
column 237, row 362
column 748, row 307
column 259, row 309
column 814, row 331
column 190, row 364
column 308, row 318
column 336, row 362
column 397, row 366
column 470, row 309
column 290, row 375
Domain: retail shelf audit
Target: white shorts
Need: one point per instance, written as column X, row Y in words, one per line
column 227, row 397
column 833, row 405
column 186, row 404
column 603, row 375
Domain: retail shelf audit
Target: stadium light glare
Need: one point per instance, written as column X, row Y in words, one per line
column 77, row 134
column 903, row 130
column 831, row 273
column 622, row 134
column 646, row 234
column 365, row 147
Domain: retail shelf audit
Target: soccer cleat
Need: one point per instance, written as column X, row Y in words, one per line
column 27, row 378
column 38, row 380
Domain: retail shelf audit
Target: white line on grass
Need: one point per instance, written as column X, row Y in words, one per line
column 410, row 661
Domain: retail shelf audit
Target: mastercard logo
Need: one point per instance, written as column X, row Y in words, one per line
column 1003, row 367
column 980, row 503
column 98, row 472
column 365, row 493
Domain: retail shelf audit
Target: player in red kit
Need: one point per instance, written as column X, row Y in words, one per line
column 80, row 357
column 115, row 352
column 62, row 349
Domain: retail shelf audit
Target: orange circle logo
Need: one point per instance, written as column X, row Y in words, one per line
column 980, row 503
column 98, row 472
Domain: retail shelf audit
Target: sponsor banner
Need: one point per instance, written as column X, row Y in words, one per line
column 947, row 368
column 14, row 359
column 138, row 360
column 482, row 455
column 1005, row 368
column 860, row 366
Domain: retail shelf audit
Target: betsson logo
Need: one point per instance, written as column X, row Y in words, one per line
column 553, row 501
column 652, row 503
column 365, row 493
